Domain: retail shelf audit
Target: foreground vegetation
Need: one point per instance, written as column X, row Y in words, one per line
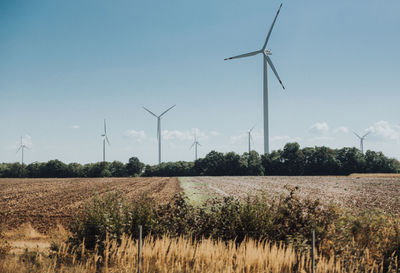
column 290, row 161
column 177, row 255
column 222, row 235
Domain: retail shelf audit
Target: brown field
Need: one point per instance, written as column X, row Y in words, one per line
column 46, row 202
column 356, row 192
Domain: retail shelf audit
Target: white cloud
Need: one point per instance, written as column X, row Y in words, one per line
column 320, row 139
column 384, row 130
column 284, row 139
column 238, row 139
column 214, row 133
column 176, row 135
column 319, row 128
column 137, row 135
column 187, row 135
column 75, row 127
column 341, row 129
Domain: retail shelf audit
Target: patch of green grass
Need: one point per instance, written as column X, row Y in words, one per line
column 196, row 192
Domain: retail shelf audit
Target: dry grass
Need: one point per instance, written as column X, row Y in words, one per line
column 184, row 255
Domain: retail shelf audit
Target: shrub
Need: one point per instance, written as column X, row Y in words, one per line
column 287, row 219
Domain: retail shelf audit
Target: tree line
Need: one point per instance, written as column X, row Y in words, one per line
column 291, row 160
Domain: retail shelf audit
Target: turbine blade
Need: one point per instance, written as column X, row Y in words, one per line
column 18, row 149
column 366, row 134
column 108, row 141
column 192, row 145
column 150, row 112
column 244, row 55
column 357, row 135
column 270, row 30
column 167, row 110
column 274, row 70
column 251, row 129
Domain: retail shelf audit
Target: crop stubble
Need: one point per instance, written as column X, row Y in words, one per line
column 46, row 202
column 356, row 193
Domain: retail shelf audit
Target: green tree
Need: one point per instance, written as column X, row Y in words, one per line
column 134, row 167
column 75, row 170
column 55, row 168
column 273, row 163
column 293, row 159
column 211, row 164
column 351, row 160
column 320, row 161
column 118, row 169
column 254, row 163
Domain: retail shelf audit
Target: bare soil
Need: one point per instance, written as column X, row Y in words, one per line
column 355, row 193
column 46, row 202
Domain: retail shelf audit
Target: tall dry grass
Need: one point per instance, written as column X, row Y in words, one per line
column 178, row 255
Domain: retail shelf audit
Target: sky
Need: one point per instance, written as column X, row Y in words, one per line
column 67, row 65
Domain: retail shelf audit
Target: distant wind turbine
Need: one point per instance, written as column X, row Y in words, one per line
column 22, row 146
column 267, row 61
column 159, row 129
column 195, row 144
column 362, row 141
column 105, row 138
column 250, row 138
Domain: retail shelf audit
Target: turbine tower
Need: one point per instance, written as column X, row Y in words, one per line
column 250, row 138
column 159, row 129
column 21, row 147
column 105, row 138
column 362, row 141
column 267, row 61
column 195, row 144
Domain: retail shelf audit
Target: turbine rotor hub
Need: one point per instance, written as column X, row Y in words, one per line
column 267, row 52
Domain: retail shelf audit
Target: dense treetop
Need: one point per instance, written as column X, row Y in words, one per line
column 292, row 160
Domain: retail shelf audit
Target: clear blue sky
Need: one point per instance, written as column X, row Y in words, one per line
column 66, row 65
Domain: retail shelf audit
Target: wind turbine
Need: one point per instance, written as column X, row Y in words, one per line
column 250, row 138
column 22, row 147
column 267, row 61
column 195, row 143
column 362, row 140
column 159, row 129
column 105, row 138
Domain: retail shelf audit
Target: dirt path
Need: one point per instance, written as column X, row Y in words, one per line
column 46, row 202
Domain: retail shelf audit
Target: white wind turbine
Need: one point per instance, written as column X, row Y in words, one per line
column 195, row 144
column 159, row 129
column 362, row 140
column 22, row 147
column 250, row 137
column 267, row 61
column 105, row 138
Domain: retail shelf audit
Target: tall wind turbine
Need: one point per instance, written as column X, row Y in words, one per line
column 21, row 147
column 195, row 144
column 250, row 138
column 267, row 61
column 159, row 129
column 362, row 141
column 105, row 138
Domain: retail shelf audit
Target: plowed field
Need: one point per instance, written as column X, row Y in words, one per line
column 356, row 193
column 46, row 202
